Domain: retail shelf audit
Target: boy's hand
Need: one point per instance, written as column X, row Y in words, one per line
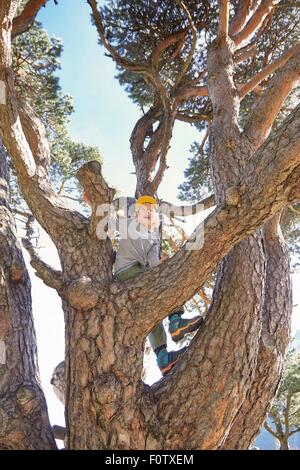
column 164, row 257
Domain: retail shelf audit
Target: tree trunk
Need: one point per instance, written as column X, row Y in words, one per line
column 24, row 422
column 273, row 341
column 254, row 279
column 284, row 443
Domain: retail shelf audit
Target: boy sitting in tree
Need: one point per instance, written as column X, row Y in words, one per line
column 138, row 251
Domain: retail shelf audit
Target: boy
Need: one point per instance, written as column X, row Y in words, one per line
column 138, row 251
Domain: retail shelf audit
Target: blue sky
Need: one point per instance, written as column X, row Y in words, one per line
column 104, row 117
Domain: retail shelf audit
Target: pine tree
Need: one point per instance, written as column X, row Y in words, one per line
column 219, row 393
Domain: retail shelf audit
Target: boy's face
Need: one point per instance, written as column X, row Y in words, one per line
column 147, row 215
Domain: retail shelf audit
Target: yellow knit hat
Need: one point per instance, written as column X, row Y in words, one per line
column 146, row 200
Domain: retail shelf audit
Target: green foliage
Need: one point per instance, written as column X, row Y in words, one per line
column 36, row 59
column 198, row 179
column 286, row 407
column 136, row 27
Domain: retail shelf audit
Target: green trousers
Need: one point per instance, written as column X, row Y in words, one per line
column 158, row 336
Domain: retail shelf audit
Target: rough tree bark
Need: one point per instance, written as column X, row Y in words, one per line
column 204, row 402
column 24, row 422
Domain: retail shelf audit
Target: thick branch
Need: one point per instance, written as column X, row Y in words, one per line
column 268, row 70
column 277, row 421
column 24, row 21
column 194, row 117
column 167, row 208
column 223, row 17
column 172, row 210
column 50, row 276
column 140, row 131
column 255, row 21
column 35, row 134
column 270, row 102
column 157, row 148
column 188, row 92
column 175, row 38
column 100, row 194
column 163, row 149
column 244, row 10
column 59, row 432
column 270, row 430
column 8, row 10
column 245, row 53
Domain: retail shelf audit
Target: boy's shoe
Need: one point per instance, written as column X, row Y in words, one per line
column 180, row 326
column 166, row 360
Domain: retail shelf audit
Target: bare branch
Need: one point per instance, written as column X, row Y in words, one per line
column 255, row 21
column 90, row 177
column 167, row 128
column 193, row 117
column 187, row 92
column 22, row 213
column 193, row 48
column 171, row 209
column 294, row 210
column 148, row 72
column 194, row 81
column 294, row 431
column 268, row 70
column 145, row 159
column 244, row 53
column 51, row 277
column 35, row 134
column 206, row 135
column 59, row 432
column 269, row 104
column 143, row 69
column 223, row 17
column 244, row 10
column 25, row 20
column 8, row 10
column 270, row 430
column 141, row 130
column 175, row 38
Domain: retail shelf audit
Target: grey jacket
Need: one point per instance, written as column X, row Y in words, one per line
column 137, row 244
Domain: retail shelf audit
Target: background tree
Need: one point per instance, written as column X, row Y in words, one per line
column 284, row 416
column 222, row 388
